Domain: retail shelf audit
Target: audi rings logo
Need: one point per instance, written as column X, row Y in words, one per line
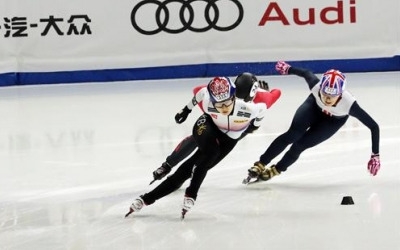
column 186, row 16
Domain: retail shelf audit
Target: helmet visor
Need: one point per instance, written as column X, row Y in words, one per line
column 226, row 103
column 330, row 92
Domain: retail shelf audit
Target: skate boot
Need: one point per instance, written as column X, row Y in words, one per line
column 188, row 203
column 269, row 173
column 136, row 206
column 161, row 172
column 254, row 171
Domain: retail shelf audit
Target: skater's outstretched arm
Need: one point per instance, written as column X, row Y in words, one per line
column 285, row 68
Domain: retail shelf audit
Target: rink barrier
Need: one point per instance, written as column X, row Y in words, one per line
column 194, row 71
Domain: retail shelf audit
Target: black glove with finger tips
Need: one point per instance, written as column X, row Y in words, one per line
column 182, row 115
column 263, row 85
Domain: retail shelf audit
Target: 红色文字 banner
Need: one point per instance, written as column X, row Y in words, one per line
column 81, row 36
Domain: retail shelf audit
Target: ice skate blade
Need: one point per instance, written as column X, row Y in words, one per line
column 254, row 182
column 152, row 182
column 130, row 211
column 246, row 180
column 184, row 211
column 249, row 180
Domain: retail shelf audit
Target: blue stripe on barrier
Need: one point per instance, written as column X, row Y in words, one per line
column 194, row 71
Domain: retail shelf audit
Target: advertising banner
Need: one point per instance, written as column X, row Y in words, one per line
column 102, row 39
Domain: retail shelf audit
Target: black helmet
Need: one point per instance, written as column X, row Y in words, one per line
column 246, row 85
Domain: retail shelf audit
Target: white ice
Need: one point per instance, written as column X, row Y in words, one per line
column 74, row 157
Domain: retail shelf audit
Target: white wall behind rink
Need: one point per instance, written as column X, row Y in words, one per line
column 269, row 30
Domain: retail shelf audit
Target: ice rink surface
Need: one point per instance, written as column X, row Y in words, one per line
column 74, row 157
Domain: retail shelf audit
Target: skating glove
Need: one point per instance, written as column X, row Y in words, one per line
column 282, row 67
column 263, row 85
column 250, row 129
column 374, row 164
column 182, row 115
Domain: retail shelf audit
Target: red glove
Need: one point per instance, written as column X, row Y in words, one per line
column 374, row 164
column 282, row 67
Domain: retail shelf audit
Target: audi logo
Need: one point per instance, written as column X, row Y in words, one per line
column 162, row 16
